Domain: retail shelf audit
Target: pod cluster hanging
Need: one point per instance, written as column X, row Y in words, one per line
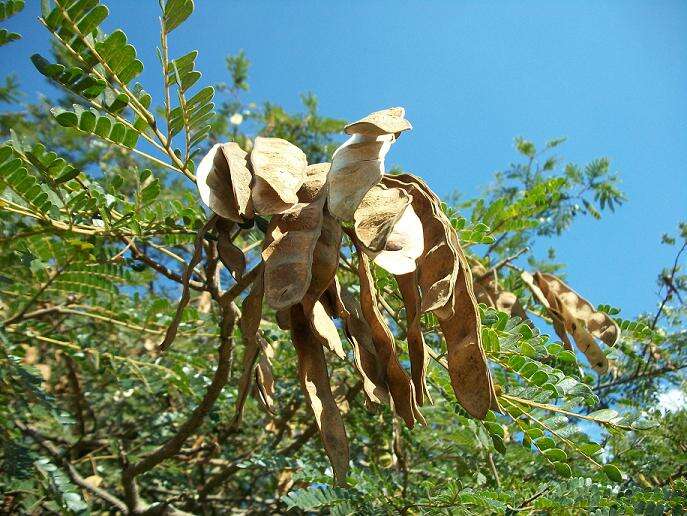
column 394, row 222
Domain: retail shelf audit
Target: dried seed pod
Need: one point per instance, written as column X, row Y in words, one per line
column 438, row 265
column 404, row 245
column 292, row 238
column 325, row 260
column 400, row 386
column 467, row 363
column 388, row 229
column 312, row 370
column 358, row 164
column 556, row 316
column 488, row 291
column 386, row 121
column 325, row 330
column 279, row 169
column 359, row 334
column 377, row 214
column 251, row 314
column 231, row 256
column 224, row 182
column 264, row 379
column 410, row 292
column 580, row 319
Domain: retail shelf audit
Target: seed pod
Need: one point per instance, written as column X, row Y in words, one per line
column 386, row 121
column 224, row 182
column 410, row 292
column 388, row 229
column 488, row 291
column 556, row 316
column 325, row 260
column 359, row 335
column 325, row 331
column 400, row 386
column 292, row 238
column 580, row 319
column 251, row 314
column 312, row 370
column 358, row 164
column 231, row 256
column 467, row 363
column 438, row 265
column 264, row 379
column 279, row 169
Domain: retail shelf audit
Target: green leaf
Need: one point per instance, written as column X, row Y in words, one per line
column 544, row 443
column 563, row 469
column 92, row 122
column 555, row 454
column 613, row 473
column 175, row 13
column 14, row 175
column 10, row 8
column 8, row 37
column 604, row 415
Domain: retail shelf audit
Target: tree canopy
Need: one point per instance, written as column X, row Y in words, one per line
column 210, row 306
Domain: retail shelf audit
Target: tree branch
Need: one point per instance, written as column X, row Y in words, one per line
column 74, row 475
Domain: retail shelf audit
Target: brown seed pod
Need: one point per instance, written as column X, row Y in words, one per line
column 224, row 182
column 377, row 214
column 325, row 330
column 312, row 371
column 388, row 229
column 359, row 334
column 578, row 317
column 231, row 256
column 251, row 314
column 358, row 164
column 279, row 169
column 292, row 238
column 410, row 292
column 325, row 260
column 386, row 121
column 264, row 379
column 467, row 363
column 438, row 265
column 488, row 291
column 400, row 386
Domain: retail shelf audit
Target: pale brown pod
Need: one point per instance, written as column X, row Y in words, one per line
column 377, row 214
column 438, row 265
column 489, row 292
column 325, row 330
column 410, row 292
column 264, row 379
column 386, row 121
column 554, row 311
column 251, row 314
column 325, row 260
column 224, row 182
column 400, row 385
column 312, row 371
column 467, row 363
column 292, row 238
column 599, row 324
column 359, row 334
column 388, row 229
column 580, row 319
column 358, row 164
column 229, row 254
column 279, row 170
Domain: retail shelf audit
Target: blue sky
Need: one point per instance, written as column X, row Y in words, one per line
column 610, row 76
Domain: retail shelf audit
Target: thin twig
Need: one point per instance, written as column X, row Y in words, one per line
column 74, row 475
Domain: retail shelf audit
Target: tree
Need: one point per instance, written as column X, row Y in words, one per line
column 118, row 396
